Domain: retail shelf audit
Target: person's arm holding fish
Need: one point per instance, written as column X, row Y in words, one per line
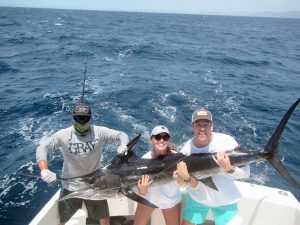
column 183, row 177
column 46, row 147
column 223, row 161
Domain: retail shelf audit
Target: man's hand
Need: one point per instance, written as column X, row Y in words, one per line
column 182, row 176
column 48, row 176
column 122, row 149
column 182, row 171
column 223, row 161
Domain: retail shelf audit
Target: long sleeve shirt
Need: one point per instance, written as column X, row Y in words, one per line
column 82, row 154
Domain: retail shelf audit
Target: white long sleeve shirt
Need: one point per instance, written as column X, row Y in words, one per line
column 82, row 154
column 228, row 192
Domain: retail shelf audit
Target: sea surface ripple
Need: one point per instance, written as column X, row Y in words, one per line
column 143, row 69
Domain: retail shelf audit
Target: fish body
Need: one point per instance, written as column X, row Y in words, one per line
column 124, row 171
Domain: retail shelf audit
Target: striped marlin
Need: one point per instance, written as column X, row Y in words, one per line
column 124, row 171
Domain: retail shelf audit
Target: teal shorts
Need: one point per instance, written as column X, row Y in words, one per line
column 195, row 212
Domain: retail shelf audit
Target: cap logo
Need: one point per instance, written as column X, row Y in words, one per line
column 202, row 113
column 159, row 129
column 82, row 109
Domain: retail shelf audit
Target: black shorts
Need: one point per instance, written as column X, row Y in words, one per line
column 97, row 209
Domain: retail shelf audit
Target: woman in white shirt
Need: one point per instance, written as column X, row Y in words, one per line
column 166, row 197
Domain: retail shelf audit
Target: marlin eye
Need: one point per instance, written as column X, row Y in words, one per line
column 91, row 180
column 94, row 182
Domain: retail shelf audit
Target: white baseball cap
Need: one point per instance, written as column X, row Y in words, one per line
column 160, row 129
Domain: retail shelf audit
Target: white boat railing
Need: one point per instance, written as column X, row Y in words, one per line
column 259, row 205
column 49, row 213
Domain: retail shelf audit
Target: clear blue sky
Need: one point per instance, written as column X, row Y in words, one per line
column 184, row 6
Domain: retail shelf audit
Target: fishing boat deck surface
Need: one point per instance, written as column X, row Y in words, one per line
column 259, row 205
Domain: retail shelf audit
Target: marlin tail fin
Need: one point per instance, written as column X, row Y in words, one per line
column 272, row 148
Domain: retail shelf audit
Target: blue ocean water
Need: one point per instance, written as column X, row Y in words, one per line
column 143, row 69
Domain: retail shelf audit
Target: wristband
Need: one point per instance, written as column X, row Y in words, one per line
column 232, row 170
column 188, row 180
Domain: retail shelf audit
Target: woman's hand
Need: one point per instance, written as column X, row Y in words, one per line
column 143, row 184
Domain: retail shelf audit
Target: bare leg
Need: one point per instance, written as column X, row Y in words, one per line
column 172, row 215
column 105, row 221
column 142, row 214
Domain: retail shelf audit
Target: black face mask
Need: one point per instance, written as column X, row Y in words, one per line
column 82, row 129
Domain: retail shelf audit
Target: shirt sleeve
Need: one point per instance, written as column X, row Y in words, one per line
column 111, row 135
column 241, row 172
column 47, row 146
column 123, row 137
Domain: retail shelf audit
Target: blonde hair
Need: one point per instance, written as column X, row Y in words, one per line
column 171, row 148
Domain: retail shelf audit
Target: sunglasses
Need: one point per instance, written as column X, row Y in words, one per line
column 81, row 119
column 158, row 137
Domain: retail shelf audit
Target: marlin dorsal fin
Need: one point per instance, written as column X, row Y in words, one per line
column 123, row 158
column 133, row 142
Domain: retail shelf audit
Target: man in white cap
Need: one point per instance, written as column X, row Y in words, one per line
column 81, row 146
column 201, row 198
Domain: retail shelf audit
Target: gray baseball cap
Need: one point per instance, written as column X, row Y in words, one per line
column 201, row 114
column 82, row 109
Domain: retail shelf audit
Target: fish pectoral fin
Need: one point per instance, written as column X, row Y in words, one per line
column 209, row 182
column 137, row 198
